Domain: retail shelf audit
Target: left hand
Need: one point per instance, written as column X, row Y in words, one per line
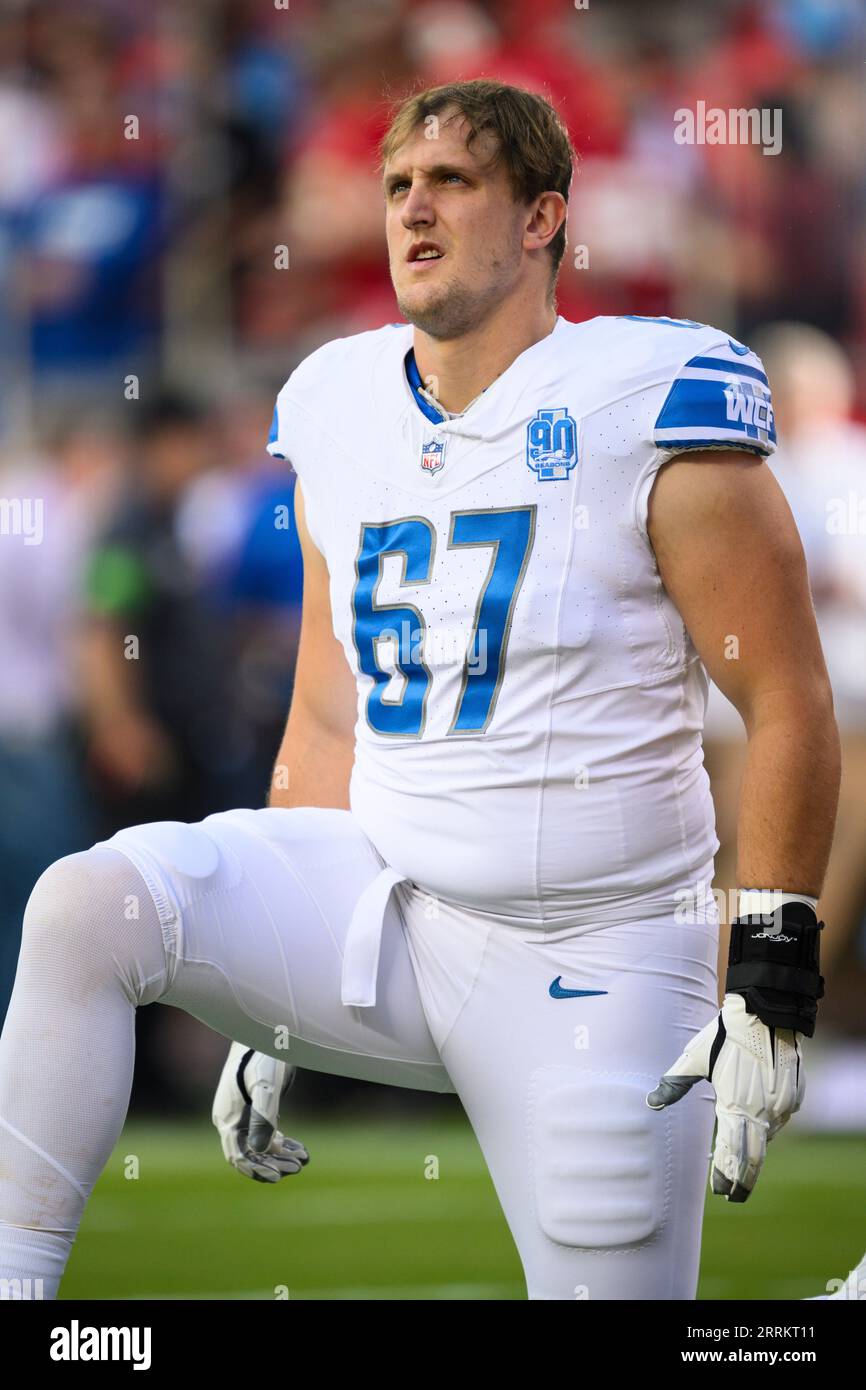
column 757, row 1075
column 246, row 1111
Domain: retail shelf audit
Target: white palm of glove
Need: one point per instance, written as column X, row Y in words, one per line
column 757, row 1075
column 246, row 1109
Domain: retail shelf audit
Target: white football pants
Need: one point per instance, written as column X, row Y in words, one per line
column 283, row 929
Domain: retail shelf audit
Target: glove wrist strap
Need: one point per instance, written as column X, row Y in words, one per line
column 774, row 964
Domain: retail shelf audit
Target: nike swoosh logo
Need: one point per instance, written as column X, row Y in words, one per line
column 557, row 991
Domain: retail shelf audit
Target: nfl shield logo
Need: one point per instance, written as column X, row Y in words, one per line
column 432, row 455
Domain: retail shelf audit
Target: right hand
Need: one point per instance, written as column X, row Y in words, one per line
column 246, row 1108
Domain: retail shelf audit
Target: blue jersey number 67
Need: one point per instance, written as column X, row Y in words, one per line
column 509, row 535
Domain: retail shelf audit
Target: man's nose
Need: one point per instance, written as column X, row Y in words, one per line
column 418, row 208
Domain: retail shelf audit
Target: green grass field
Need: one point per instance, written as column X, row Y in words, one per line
column 363, row 1222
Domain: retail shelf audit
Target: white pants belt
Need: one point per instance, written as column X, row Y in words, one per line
column 363, row 940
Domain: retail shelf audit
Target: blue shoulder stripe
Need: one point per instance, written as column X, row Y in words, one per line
column 719, row 364
column 732, row 408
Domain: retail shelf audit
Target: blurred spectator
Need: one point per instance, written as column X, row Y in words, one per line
column 165, row 738
column 238, row 523
column 89, row 236
column 49, row 507
column 258, row 128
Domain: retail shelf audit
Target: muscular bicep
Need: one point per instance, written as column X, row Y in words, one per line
column 730, row 556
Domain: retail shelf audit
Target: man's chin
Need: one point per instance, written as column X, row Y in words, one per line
column 439, row 314
column 425, row 311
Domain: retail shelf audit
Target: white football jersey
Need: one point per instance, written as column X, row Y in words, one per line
column 530, row 704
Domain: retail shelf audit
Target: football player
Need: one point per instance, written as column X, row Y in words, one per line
column 486, row 861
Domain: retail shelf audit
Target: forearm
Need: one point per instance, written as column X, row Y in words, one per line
column 789, row 796
column 107, row 680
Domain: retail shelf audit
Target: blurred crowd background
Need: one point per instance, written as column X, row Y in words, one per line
column 190, row 203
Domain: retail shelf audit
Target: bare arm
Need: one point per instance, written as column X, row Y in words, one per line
column 125, row 742
column 316, row 755
column 731, row 558
column 108, row 685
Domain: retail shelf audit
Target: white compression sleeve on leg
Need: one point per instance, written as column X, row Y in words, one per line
column 91, row 950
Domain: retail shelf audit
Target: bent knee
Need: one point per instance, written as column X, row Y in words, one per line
column 75, row 891
column 601, row 1159
column 95, row 905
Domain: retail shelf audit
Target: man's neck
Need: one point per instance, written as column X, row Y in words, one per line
column 456, row 370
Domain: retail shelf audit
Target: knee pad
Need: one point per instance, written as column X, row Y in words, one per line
column 601, row 1159
column 184, row 863
column 179, row 862
column 182, row 849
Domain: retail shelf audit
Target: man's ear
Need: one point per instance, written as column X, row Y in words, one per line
column 546, row 215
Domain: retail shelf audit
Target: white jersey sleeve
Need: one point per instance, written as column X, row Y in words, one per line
column 316, row 418
column 719, row 399
column 713, row 394
column 292, row 431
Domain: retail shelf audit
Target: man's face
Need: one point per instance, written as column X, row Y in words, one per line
column 440, row 195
